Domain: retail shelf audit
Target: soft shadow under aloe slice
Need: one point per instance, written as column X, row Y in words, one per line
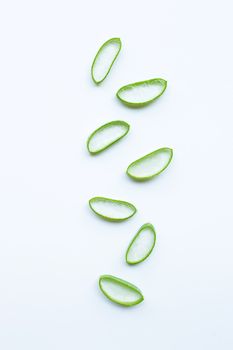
column 141, row 245
column 104, row 59
column 150, row 165
column 120, row 291
column 107, row 135
column 142, row 93
column 112, row 209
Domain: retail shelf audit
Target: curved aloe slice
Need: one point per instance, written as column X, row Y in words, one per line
column 141, row 245
column 150, row 165
column 106, row 136
column 104, row 59
column 112, row 209
column 142, row 93
column 120, row 291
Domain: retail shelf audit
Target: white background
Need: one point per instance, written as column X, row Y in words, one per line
column 52, row 248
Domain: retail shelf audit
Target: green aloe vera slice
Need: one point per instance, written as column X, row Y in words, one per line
column 141, row 245
column 104, row 59
column 150, row 165
column 120, row 291
column 142, row 93
column 106, row 136
column 112, row 209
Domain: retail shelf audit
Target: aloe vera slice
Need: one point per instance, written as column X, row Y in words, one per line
column 112, row 209
column 141, row 245
column 120, row 291
column 150, row 165
column 104, row 59
column 106, row 136
column 142, row 93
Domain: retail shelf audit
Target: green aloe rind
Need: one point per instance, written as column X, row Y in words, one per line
column 150, row 165
column 142, row 93
column 106, row 135
column 112, row 209
column 141, row 245
column 100, row 68
column 120, row 291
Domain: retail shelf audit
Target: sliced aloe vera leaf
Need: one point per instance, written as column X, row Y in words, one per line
column 106, row 136
column 112, row 209
column 120, row 291
column 142, row 93
column 150, row 165
column 104, row 59
column 141, row 245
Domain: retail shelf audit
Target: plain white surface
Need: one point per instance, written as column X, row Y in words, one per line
column 52, row 248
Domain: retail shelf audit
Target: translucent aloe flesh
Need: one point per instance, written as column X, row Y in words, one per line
column 120, row 291
column 150, row 165
column 104, row 59
column 107, row 135
column 142, row 93
column 112, row 209
column 141, row 245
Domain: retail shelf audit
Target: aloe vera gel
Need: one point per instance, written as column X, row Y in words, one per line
column 104, row 59
column 120, row 291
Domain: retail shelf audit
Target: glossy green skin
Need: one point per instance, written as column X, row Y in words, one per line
column 118, row 40
column 141, row 104
column 145, row 178
column 145, row 226
column 115, row 201
column 115, row 122
column 124, row 283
